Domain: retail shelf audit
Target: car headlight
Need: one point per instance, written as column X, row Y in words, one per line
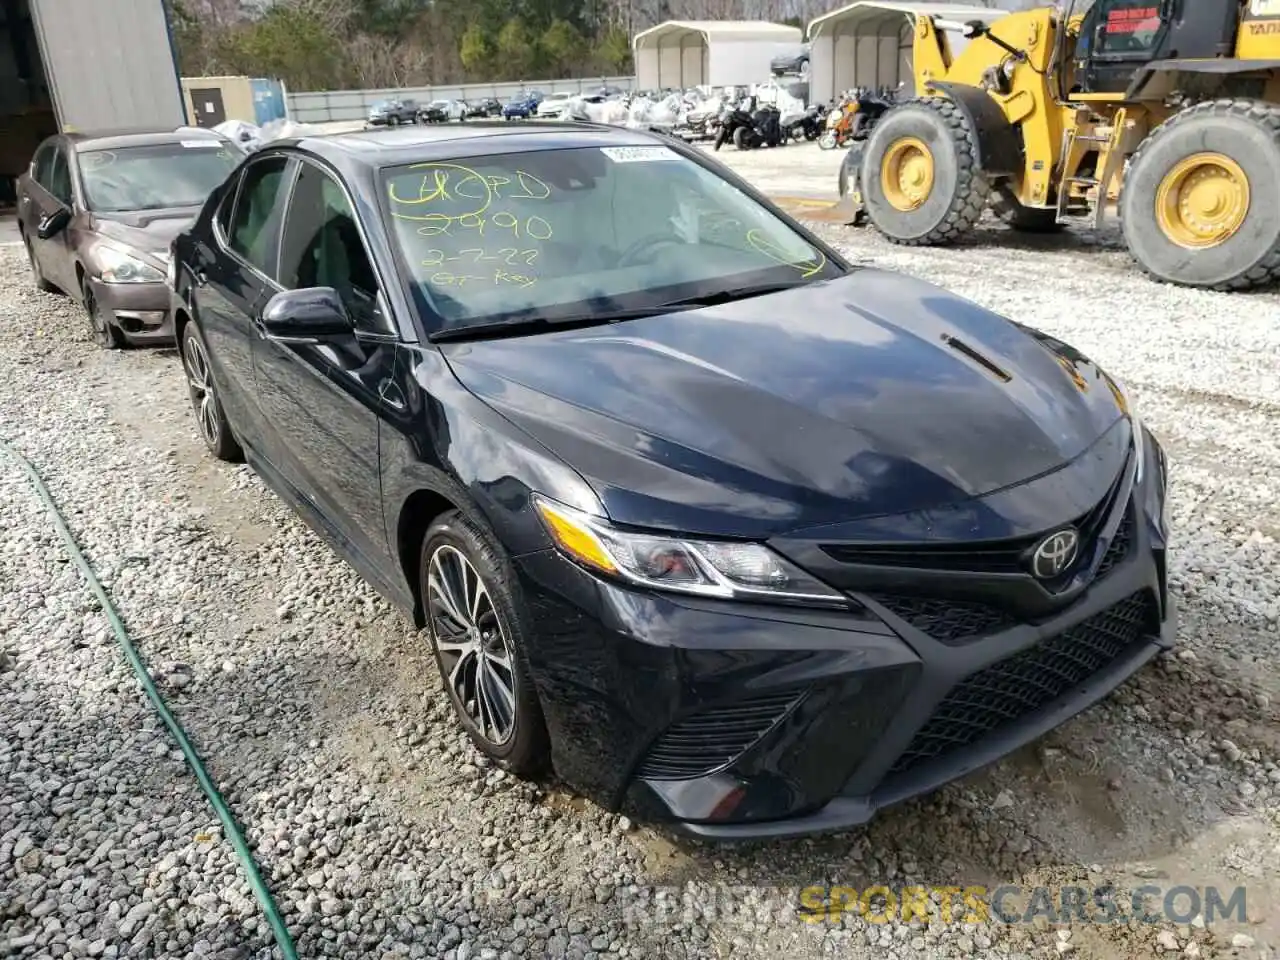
column 708, row 568
column 119, row 267
column 1129, row 407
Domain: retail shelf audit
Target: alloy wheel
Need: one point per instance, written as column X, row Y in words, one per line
column 475, row 653
column 203, row 395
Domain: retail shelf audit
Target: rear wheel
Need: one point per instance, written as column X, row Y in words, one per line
column 477, row 629
column 742, row 138
column 1197, row 206
column 920, row 177
column 37, row 274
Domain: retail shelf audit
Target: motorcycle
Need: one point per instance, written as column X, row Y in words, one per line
column 749, row 128
column 807, row 125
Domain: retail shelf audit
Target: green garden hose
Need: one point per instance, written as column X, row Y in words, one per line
column 232, row 830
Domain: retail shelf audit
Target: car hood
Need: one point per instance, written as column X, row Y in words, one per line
column 149, row 231
column 867, row 395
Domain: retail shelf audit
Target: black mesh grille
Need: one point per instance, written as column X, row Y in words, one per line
column 1118, row 549
column 706, row 741
column 948, row 621
column 1018, row 685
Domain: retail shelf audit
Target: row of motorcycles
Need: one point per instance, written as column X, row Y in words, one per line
column 749, row 125
column 852, row 116
column 838, row 124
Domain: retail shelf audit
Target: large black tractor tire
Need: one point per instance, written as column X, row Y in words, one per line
column 1232, row 143
column 953, row 202
column 1024, row 219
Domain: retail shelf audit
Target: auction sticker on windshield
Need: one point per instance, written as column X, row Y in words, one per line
column 638, row 154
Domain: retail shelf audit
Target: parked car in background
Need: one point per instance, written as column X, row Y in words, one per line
column 723, row 529
column 487, row 107
column 97, row 212
column 437, row 111
column 793, row 63
column 522, row 105
column 390, row 113
column 553, row 106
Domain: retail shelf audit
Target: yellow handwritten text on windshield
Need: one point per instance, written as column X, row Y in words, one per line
column 808, row 267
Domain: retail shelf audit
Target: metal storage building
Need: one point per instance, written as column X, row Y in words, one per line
column 81, row 64
column 869, row 43
column 717, row 53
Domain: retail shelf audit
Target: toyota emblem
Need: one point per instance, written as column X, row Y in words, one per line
column 1054, row 554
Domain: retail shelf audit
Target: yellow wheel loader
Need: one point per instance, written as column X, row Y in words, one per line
column 1167, row 109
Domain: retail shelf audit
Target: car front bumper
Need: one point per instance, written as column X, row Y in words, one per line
column 140, row 311
column 736, row 721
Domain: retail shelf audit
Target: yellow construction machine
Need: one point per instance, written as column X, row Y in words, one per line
column 1167, row 109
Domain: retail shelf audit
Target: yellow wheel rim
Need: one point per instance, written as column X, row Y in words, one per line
column 906, row 176
column 1203, row 200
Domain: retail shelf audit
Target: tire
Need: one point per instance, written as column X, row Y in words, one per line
column 211, row 420
column 1247, row 134
column 104, row 333
column 37, row 275
column 827, row 140
column 720, row 138
column 742, row 138
column 515, row 738
column 954, row 201
column 811, row 134
column 1024, row 219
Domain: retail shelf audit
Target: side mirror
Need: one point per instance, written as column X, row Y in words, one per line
column 310, row 315
column 54, row 223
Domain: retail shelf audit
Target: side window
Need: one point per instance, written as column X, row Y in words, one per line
column 259, row 190
column 42, row 166
column 322, row 247
column 60, row 177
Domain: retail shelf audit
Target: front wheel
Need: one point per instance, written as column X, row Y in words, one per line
column 920, row 179
column 474, row 618
column 742, row 139
column 210, row 418
column 105, row 333
column 827, row 141
column 720, row 138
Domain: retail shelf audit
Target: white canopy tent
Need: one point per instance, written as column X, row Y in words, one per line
column 869, row 43
column 717, row 53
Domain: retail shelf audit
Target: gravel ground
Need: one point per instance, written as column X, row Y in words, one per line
column 383, row 834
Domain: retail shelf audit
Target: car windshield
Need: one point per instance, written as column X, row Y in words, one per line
column 572, row 231
column 155, row 176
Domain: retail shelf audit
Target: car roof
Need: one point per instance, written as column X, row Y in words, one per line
column 374, row 149
column 115, row 139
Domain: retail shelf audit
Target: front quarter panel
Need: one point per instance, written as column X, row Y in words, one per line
column 439, row 437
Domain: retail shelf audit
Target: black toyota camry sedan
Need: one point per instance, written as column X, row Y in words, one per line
column 719, row 528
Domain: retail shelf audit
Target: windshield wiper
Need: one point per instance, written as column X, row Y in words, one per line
column 518, row 325
column 737, row 293
column 514, row 326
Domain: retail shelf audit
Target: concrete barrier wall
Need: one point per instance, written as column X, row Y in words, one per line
column 341, row 105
